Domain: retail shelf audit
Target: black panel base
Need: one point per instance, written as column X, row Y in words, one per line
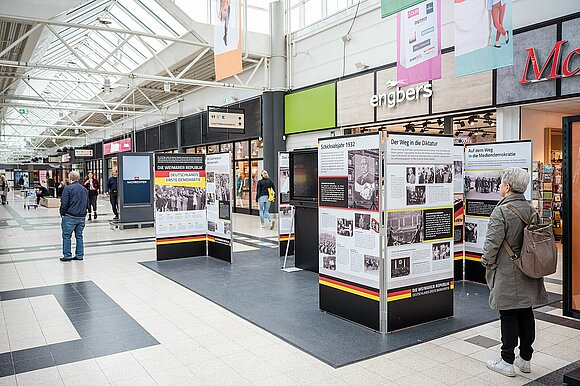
column 419, row 309
column 474, row 271
column 284, row 245
column 306, row 242
column 572, row 378
column 220, row 250
column 181, row 250
column 355, row 308
column 458, row 270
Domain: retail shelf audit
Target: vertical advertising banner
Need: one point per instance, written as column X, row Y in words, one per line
column 227, row 42
column 419, row 225
column 219, row 186
column 419, row 43
column 180, row 215
column 459, row 253
column 136, row 175
column 483, row 35
column 285, row 232
column 349, row 228
column 484, row 164
column 390, row 7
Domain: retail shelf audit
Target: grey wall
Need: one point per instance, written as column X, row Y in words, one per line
column 571, row 32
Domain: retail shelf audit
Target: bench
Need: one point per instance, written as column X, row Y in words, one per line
column 50, row 202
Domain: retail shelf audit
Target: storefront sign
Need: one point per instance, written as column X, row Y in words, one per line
column 564, row 71
column 119, row 146
column 399, row 95
column 54, row 159
column 83, row 152
column 65, row 158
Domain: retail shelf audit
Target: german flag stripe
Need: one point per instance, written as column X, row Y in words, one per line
column 399, row 293
column 373, row 295
column 472, row 257
column 177, row 240
column 398, row 297
column 285, row 238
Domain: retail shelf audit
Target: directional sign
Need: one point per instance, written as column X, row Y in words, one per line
column 222, row 120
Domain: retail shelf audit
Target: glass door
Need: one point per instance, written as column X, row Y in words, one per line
column 242, row 177
column 257, row 167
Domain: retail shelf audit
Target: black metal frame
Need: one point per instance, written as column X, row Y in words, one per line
column 567, row 231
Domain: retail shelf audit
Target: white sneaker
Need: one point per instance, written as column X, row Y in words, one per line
column 262, row 226
column 523, row 365
column 502, row 367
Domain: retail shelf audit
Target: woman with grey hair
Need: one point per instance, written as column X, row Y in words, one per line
column 512, row 292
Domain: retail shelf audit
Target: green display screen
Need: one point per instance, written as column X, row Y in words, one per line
column 311, row 109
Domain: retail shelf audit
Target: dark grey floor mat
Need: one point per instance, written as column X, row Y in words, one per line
column 286, row 304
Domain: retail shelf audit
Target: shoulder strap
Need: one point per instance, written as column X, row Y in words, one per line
column 517, row 213
column 509, row 250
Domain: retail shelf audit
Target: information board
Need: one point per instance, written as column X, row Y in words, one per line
column 219, row 187
column 285, row 233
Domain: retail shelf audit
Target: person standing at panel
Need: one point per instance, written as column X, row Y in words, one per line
column 262, row 198
column 4, row 189
column 513, row 293
column 74, row 205
column 92, row 185
column 112, row 192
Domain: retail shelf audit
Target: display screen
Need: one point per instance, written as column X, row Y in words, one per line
column 304, row 176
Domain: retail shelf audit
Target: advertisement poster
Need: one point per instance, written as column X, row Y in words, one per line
column 458, row 156
column 21, row 179
column 483, row 35
column 419, row 43
column 227, row 39
column 180, row 205
column 136, row 179
column 390, row 7
column 284, row 208
column 349, row 226
column 419, row 227
column 219, row 187
column 484, row 164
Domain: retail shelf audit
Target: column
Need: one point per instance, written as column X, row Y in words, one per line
column 508, row 123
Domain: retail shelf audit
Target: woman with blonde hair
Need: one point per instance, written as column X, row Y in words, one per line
column 262, row 198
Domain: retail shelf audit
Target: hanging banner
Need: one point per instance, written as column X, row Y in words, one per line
column 484, row 164
column 419, row 43
column 285, row 234
column 459, row 253
column 180, row 214
column 219, row 186
column 227, row 42
column 420, row 213
column 483, row 35
column 390, row 7
column 349, row 228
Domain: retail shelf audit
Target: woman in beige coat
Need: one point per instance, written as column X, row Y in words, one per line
column 513, row 293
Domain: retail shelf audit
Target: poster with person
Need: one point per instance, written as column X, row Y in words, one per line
column 484, row 164
column 227, row 38
column 180, row 205
column 285, row 232
column 219, row 185
column 419, row 228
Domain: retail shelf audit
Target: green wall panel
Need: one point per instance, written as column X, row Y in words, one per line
column 311, row 109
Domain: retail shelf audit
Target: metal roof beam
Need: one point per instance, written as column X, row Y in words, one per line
column 85, row 109
column 70, row 101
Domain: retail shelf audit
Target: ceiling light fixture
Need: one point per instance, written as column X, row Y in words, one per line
column 440, row 122
column 441, row 131
column 461, row 123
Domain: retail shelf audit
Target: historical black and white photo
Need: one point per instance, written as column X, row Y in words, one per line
column 483, row 185
column 329, row 262
column 441, row 251
column 416, row 195
column 405, row 227
column 401, row 266
column 362, row 221
column 211, row 226
column 411, row 175
column 209, row 177
column 470, row 232
column 372, row 264
column 363, row 179
column 211, row 198
column 222, row 186
column 344, row 227
column 178, row 198
column 443, row 174
column 327, row 243
column 425, row 175
column 228, row 228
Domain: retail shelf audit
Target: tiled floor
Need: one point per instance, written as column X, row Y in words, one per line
column 189, row 339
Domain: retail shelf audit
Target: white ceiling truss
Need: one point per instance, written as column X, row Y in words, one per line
column 92, row 70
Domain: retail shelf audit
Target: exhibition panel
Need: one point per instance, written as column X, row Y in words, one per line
column 458, row 196
column 484, row 164
column 180, row 206
column 136, row 187
column 219, row 206
column 285, row 210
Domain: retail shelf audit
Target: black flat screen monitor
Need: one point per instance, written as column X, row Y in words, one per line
column 304, row 177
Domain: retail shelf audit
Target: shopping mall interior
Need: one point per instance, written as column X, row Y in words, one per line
column 289, row 192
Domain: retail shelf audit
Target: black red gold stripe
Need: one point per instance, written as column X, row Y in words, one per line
column 176, row 240
column 350, row 288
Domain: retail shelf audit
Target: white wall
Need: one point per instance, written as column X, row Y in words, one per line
column 533, row 124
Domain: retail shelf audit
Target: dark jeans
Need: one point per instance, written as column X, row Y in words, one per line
column 39, row 196
column 69, row 225
column 518, row 323
column 114, row 203
column 93, row 204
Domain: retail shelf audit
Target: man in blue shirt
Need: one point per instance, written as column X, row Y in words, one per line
column 112, row 193
column 74, row 204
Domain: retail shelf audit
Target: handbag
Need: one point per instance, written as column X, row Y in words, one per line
column 271, row 194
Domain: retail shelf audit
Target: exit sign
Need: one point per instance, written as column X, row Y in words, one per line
column 23, row 111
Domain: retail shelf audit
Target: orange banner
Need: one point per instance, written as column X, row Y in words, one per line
column 227, row 40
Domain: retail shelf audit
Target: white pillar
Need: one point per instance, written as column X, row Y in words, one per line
column 508, row 123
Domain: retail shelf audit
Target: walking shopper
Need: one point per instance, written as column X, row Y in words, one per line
column 262, row 197
column 74, row 204
column 92, row 185
column 512, row 292
column 4, row 189
column 112, row 192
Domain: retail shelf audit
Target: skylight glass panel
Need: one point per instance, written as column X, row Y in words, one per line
column 196, row 10
column 258, row 20
column 169, row 21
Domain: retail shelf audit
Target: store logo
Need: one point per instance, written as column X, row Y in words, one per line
column 399, row 95
column 553, row 58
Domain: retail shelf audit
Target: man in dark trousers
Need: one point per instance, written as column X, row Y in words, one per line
column 112, row 193
column 74, row 204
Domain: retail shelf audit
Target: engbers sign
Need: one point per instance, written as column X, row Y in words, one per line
column 559, row 68
column 399, row 95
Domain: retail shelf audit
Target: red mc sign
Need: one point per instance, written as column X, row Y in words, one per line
column 554, row 58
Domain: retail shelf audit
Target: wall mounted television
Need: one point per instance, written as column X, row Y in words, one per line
column 304, row 178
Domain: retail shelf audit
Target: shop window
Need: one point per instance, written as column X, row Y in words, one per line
column 257, row 148
column 226, row 147
column 242, row 151
column 211, row 149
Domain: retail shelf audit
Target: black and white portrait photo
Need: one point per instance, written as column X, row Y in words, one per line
column 400, row 266
column 362, row 221
column 416, row 195
column 222, row 186
column 411, row 176
column 372, row 264
column 327, row 243
column 210, row 177
column 483, row 185
column 211, row 198
column 363, row 179
column 441, row 251
column 329, row 262
column 426, row 175
column 211, row 226
column 344, row 227
column 405, row 227
column 470, row 232
column 228, row 228
column 443, row 174
column 178, row 198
